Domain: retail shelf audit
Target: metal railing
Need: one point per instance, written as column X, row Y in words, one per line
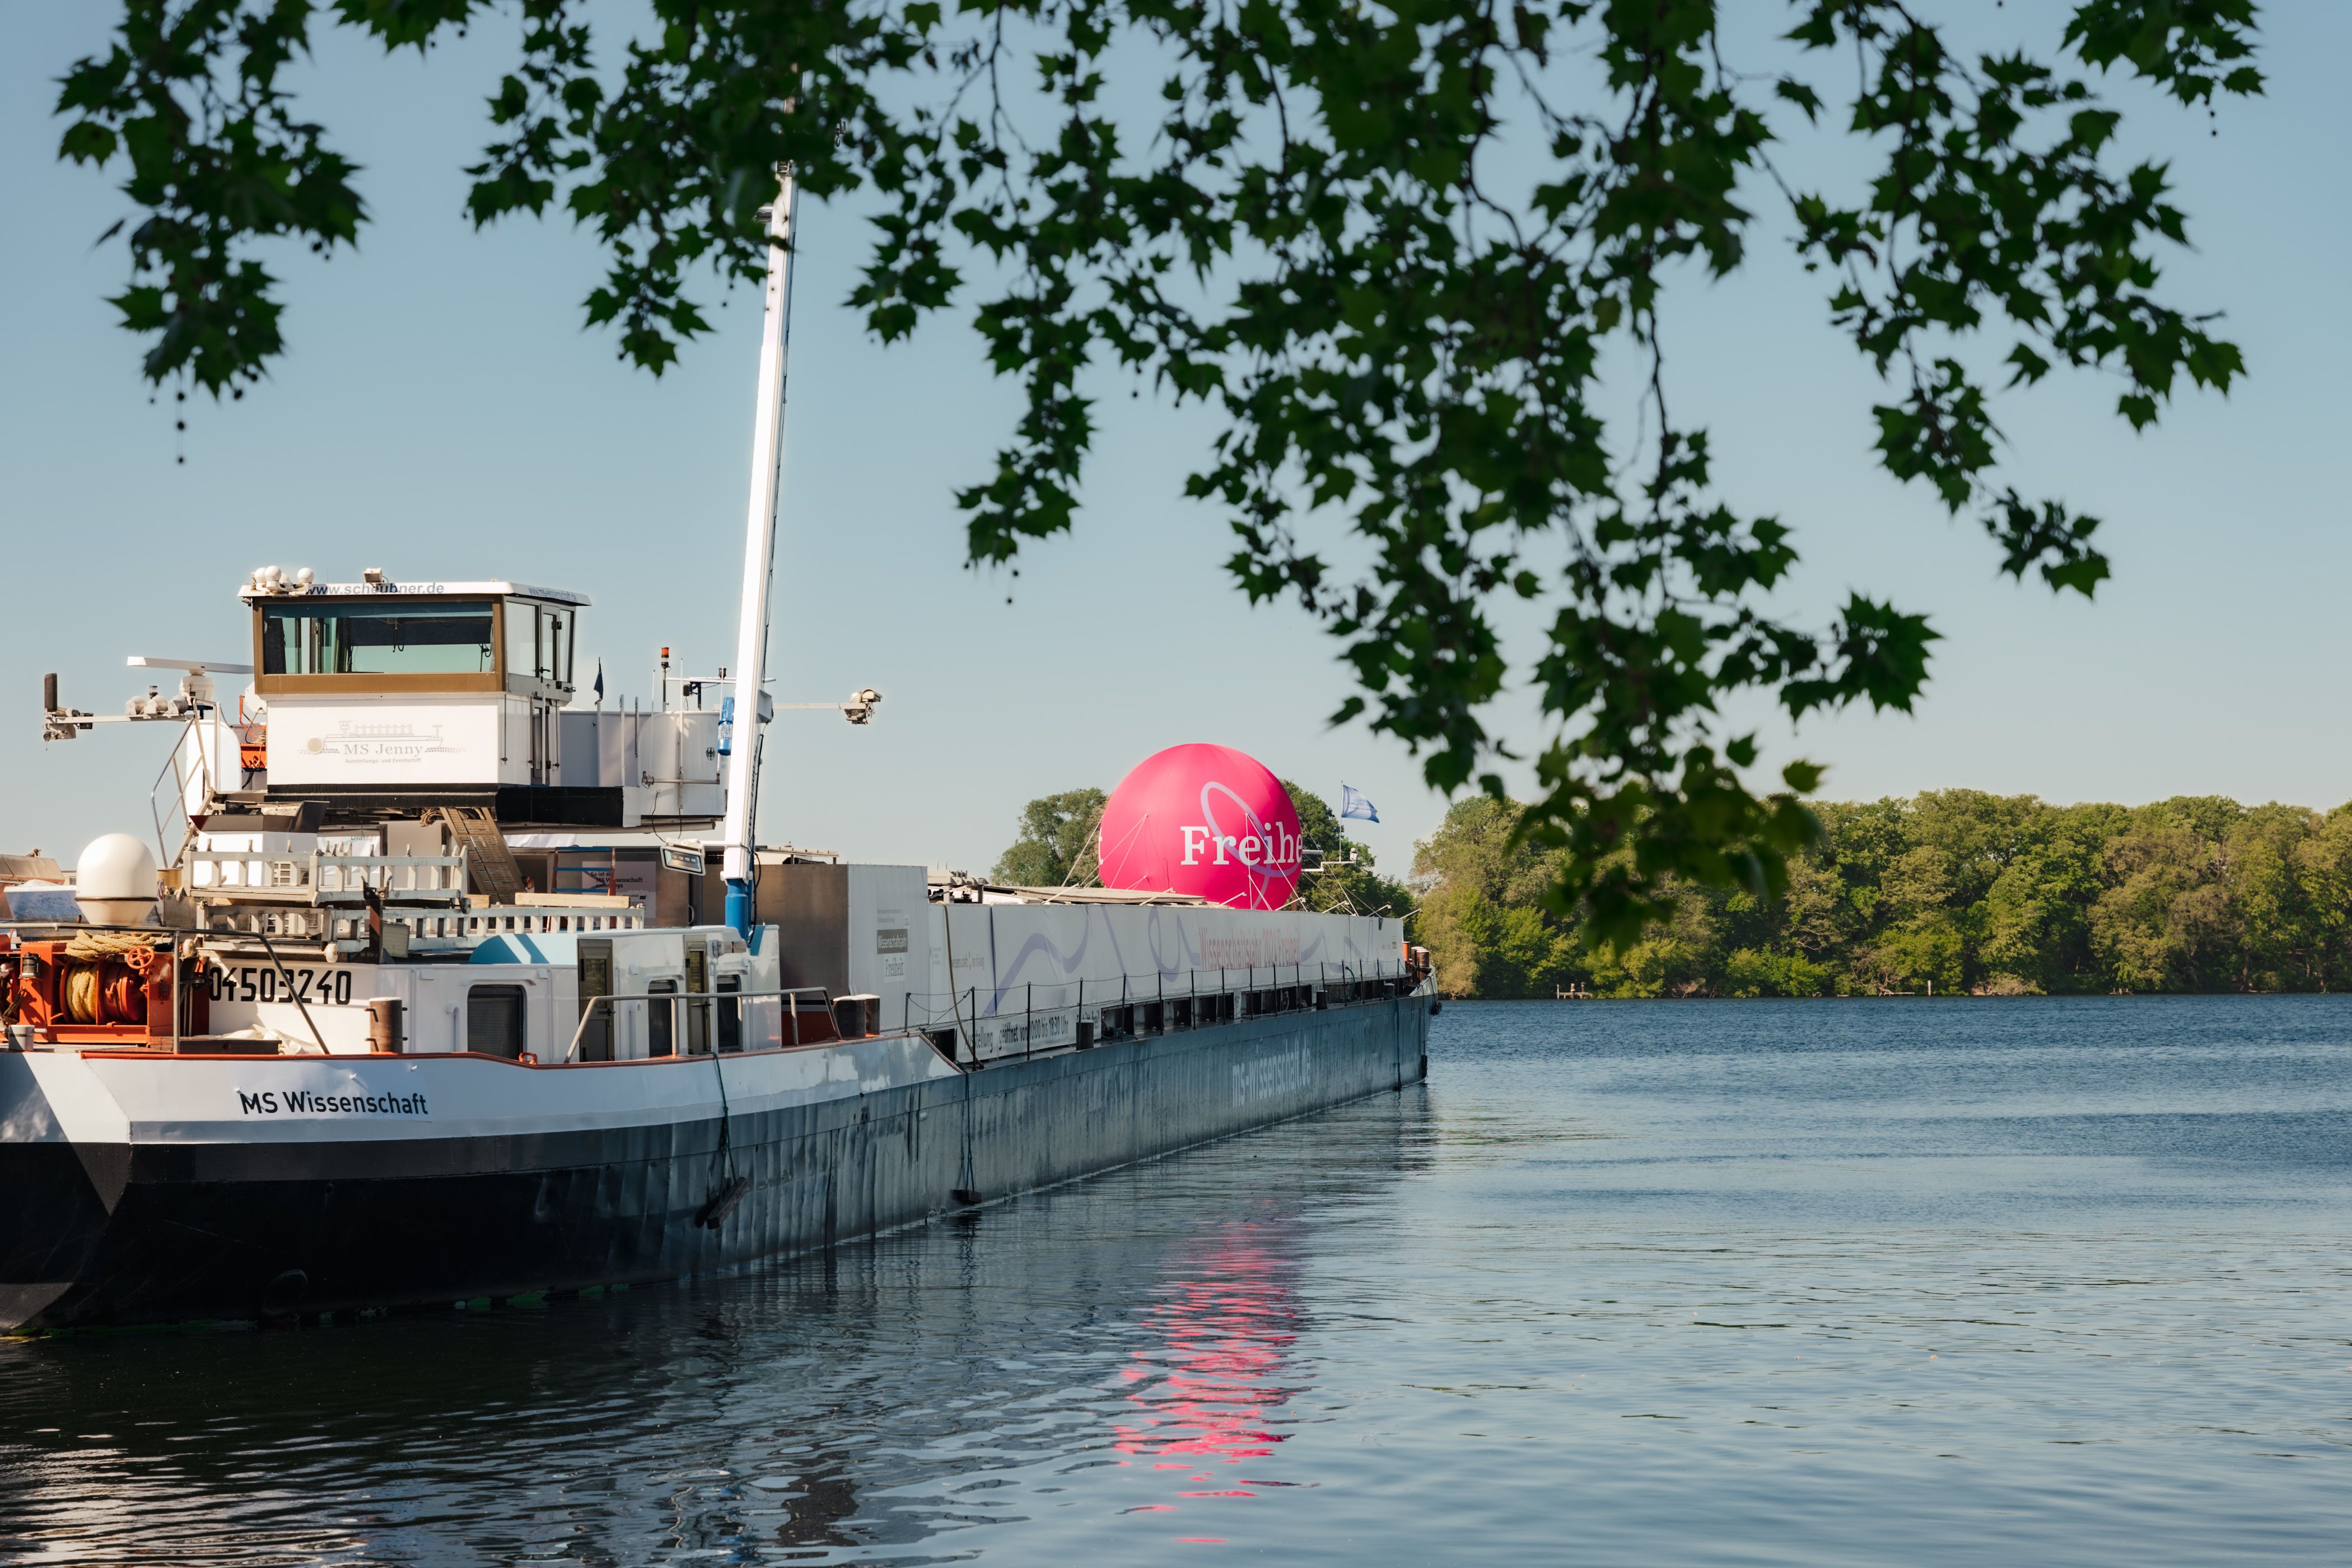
column 1048, row 1024
column 314, row 877
column 1051, row 1015
column 790, row 1012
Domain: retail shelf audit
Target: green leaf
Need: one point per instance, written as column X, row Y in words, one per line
column 1425, row 395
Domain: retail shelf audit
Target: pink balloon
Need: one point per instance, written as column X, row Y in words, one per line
column 1205, row 820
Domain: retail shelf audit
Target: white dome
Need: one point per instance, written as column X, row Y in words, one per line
column 114, row 881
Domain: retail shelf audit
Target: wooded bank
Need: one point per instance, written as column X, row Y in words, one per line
column 1954, row 890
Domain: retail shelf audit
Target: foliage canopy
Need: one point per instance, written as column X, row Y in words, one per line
column 1058, row 843
column 1390, row 243
column 1950, row 891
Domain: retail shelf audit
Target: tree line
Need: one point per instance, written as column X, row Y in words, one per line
column 1950, row 891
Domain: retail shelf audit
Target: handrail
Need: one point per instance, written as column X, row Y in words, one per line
column 430, row 878
column 1079, row 999
column 1229, row 982
column 794, row 993
column 589, row 1003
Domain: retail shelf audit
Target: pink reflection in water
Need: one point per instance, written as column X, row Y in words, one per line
column 1203, row 1393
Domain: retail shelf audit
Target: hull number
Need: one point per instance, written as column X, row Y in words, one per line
column 265, row 982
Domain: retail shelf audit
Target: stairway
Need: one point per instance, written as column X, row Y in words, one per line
column 488, row 861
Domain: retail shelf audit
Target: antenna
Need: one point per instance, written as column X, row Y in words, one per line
column 759, row 549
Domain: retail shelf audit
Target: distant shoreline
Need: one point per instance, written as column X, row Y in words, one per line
column 1953, row 891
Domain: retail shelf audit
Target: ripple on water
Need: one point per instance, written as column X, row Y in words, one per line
column 1751, row 1283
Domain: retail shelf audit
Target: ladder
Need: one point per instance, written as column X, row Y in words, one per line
column 492, row 865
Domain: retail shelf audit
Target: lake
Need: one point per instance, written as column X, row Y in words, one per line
column 1767, row 1282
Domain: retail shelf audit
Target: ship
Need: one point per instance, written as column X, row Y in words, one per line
column 430, row 992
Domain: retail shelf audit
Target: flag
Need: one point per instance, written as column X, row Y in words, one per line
column 600, row 683
column 1354, row 802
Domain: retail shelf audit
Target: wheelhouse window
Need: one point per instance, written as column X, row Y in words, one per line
column 443, row 638
column 539, row 641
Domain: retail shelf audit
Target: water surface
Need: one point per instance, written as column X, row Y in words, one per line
column 1930, row 1282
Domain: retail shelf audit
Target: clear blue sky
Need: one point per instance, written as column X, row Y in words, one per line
column 445, row 413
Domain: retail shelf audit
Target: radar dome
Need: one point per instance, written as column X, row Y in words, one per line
column 114, row 881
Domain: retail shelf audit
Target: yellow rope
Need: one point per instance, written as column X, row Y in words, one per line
column 82, row 995
column 92, row 944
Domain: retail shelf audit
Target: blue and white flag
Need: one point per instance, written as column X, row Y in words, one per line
column 1354, row 802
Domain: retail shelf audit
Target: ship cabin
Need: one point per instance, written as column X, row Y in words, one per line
column 381, row 699
column 376, row 690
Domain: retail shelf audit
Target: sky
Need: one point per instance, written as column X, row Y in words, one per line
column 445, row 413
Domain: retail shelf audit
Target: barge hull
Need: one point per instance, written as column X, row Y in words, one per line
column 160, row 1230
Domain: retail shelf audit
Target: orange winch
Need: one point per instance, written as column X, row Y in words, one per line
column 100, row 987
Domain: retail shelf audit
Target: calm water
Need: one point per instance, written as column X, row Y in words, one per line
column 1968, row 1282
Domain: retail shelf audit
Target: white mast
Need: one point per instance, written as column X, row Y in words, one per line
column 759, row 553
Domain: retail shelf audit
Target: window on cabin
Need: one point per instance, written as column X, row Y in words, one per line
column 539, row 641
column 661, row 1019
column 439, row 637
column 698, row 1012
column 494, row 1020
column 730, row 1013
column 559, row 645
column 595, row 980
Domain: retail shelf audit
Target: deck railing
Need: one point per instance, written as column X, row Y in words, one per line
column 707, row 1026
column 1074, row 1015
column 1061, row 1014
column 315, row 878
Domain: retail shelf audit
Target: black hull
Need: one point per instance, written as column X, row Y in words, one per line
column 150, row 1233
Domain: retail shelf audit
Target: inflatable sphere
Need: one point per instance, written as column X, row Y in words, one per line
column 1205, row 820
